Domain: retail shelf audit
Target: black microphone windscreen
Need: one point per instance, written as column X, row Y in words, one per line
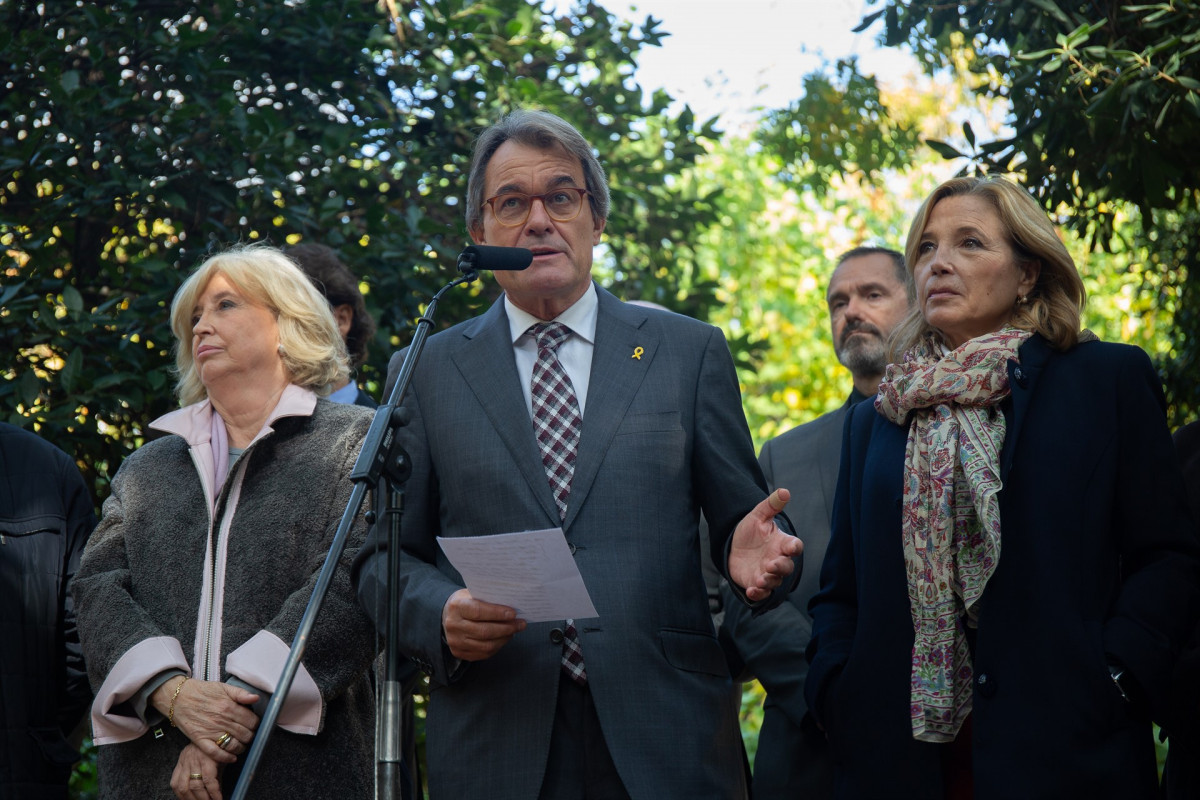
column 482, row 256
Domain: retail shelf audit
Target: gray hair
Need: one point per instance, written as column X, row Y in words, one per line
column 544, row 131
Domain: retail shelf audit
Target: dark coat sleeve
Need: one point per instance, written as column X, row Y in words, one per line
column 81, row 520
column 1158, row 550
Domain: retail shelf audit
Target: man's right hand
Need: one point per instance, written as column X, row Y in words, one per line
column 476, row 630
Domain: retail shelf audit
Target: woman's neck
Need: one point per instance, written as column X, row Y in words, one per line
column 245, row 410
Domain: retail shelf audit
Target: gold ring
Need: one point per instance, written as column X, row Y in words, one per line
column 223, row 739
column 196, row 776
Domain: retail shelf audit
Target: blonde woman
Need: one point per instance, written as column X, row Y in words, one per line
column 1012, row 571
column 194, row 583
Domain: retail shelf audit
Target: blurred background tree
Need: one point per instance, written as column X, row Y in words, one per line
column 136, row 136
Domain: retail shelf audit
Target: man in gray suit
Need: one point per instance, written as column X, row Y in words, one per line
column 868, row 296
column 639, row 426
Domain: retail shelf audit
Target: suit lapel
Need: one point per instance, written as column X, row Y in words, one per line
column 487, row 366
column 615, row 378
column 1022, row 380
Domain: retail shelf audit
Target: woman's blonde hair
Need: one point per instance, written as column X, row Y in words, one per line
column 1055, row 304
column 313, row 354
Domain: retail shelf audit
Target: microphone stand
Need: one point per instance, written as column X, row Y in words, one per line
column 380, row 454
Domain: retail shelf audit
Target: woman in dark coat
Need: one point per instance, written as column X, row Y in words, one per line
column 192, row 587
column 1012, row 571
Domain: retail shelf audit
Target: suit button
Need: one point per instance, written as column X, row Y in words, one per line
column 573, row 548
column 556, row 636
column 986, row 684
column 1019, row 376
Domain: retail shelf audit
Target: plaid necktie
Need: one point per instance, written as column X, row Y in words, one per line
column 556, row 425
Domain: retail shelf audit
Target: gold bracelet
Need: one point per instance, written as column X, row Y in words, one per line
column 174, row 697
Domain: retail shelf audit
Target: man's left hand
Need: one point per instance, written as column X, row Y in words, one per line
column 761, row 554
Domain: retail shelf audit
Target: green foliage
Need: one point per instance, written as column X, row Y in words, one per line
column 136, row 136
column 83, row 785
column 1104, row 103
column 840, row 126
column 1103, row 96
column 1104, row 111
column 750, row 716
column 772, row 253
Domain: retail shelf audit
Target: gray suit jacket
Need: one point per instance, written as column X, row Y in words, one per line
column 792, row 761
column 663, row 437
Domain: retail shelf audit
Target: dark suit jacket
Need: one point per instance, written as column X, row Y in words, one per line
column 792, row 759
column 1098, row 564
column 46, row 518
column 663, row 437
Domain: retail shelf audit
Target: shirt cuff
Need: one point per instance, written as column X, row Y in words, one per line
column 112, row 720
column 259, row 662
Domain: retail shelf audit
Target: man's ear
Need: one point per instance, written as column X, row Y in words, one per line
column 597, row 229
column 343, row 315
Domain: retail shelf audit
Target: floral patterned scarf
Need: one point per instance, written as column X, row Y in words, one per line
column 950, row 401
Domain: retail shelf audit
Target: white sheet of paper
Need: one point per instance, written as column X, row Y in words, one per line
column 533, row 572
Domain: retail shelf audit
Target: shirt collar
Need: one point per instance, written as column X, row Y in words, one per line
column 580, row 317
column 347, row 394
column 193, row 422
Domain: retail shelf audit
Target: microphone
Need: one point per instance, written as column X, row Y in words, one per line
column 481, row 256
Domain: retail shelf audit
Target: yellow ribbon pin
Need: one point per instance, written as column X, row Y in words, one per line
column 637, row 353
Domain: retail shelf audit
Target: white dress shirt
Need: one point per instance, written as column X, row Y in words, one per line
column 575, row 354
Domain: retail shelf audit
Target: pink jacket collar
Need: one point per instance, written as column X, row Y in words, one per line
column 205, row 433
column 194, row 422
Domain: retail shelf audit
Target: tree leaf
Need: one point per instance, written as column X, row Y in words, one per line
column 72, row 369
column 1052, row 9
column 28, row 388
column 867, row 21
column 72, row 299
column 943, row 149
column 7, row 293
column 1193, row 101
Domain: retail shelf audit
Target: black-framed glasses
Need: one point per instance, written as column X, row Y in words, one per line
column 561, row 204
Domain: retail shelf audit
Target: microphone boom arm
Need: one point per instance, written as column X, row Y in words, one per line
column 368, row 468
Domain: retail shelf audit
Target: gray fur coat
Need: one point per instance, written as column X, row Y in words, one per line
column 141, row 578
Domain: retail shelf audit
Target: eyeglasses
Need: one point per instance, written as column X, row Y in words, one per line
column 512, row 208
